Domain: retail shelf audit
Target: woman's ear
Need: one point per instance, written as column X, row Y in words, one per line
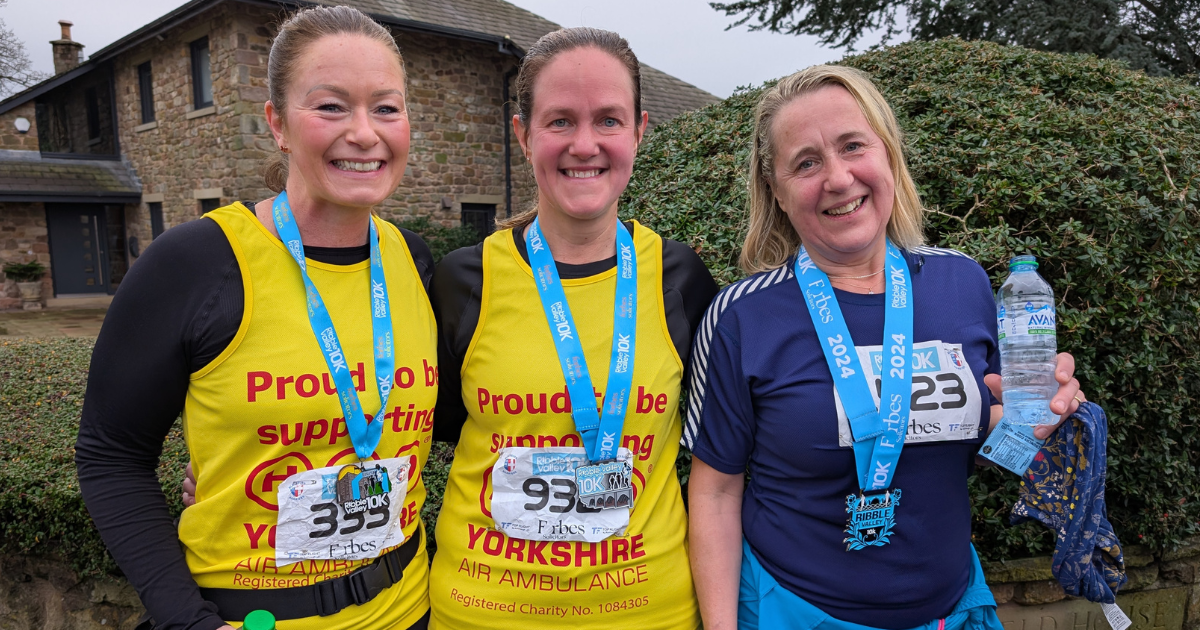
column 275, row 122
column 520, row 132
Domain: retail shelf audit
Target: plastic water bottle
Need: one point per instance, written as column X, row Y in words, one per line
column 259, row 620
column 1028, row 349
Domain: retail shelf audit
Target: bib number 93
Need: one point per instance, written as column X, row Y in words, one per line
column 535, row 496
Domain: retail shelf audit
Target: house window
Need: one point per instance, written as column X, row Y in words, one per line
column 481, row 216
column 93, row 113
column 201, row 74
column 208, row 205
column 156, row 219
column 146, row 91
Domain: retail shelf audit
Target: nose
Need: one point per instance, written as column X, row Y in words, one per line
column 838, row 176
column 584, row 144
column 361, row 132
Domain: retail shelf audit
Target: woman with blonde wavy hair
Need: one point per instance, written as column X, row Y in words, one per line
column 856, row 514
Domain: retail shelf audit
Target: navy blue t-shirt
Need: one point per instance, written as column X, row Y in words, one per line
column 762, row 402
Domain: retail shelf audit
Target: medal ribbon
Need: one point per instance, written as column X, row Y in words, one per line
column 363, row 435
column 878, row 432
column 601, row 435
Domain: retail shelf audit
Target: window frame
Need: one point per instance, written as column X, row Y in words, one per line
column 156, row 218
column 488, row 212
column 196, row 47
column 208, row 205
column 145, row 78
column 91, row 104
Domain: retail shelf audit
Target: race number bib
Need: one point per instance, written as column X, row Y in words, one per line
column 537, row 494
column 341, row 512
column 945, row 395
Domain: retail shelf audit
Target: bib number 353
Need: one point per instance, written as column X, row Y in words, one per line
column 341, row 512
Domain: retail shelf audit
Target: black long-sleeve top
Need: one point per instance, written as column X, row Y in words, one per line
column 688, row 288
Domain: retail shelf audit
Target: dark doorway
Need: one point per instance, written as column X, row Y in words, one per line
column 87, row 248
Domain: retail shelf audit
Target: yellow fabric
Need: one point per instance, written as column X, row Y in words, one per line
column 482, row 579
column 266, row 408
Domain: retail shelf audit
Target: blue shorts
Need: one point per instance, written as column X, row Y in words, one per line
column 763, row 603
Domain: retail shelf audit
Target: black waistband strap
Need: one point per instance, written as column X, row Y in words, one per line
column 320, row 599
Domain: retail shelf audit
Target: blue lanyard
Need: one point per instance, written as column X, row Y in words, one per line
column 364, row 436
column 609, row 426
column 878, row 431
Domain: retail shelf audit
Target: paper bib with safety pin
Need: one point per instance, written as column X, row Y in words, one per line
column 341, row 512
column 945, row 403
column 553, row 493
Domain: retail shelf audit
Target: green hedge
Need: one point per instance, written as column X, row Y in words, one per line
column 1089, row 166
column 41, row 511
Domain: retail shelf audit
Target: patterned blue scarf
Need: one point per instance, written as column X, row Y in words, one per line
column 1064, row 490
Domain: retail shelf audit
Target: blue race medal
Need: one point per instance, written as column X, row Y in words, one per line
column 363, row 435
column 872, row 517
column 605, row 483
column 878, row 432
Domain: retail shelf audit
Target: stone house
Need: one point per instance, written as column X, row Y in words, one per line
column 167, row 123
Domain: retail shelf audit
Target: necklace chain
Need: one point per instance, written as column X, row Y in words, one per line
column 868, row 275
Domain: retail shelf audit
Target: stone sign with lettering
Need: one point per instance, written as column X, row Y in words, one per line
column 1148, row 610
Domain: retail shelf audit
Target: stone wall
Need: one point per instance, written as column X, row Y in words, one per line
column 45, row 594
column 1163, row 593
column 186, row 155
column 12, row 140
column 455, row 105
column 23, row 238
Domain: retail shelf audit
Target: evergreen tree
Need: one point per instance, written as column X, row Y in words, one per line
column 1161, row 37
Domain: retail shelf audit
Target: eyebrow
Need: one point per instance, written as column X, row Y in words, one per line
column 341, row 92
column 808, row 148
column 611, row 110
column 331, row 88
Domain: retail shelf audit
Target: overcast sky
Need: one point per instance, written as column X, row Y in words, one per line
column 685, row 38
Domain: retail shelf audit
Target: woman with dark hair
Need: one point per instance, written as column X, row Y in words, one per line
column 288, row 334
column 562, row 347
column 849, row 377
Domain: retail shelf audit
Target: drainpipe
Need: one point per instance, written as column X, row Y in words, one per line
column 509, row 47
column 508, row 144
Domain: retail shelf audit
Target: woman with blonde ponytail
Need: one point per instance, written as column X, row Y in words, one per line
column 286, row 333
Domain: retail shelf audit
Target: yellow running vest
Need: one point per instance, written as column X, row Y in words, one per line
column 515, row 395
column 266, row 408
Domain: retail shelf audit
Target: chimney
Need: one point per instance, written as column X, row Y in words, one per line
column 67, row 54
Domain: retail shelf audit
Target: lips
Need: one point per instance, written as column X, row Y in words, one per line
column 357, row 167
column 847, row 208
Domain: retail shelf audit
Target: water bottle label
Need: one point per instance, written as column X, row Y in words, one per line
column 1032, row 319
column 1012, row 446
column 946, row 400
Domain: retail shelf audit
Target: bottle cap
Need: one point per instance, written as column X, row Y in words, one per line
column 1027, row 262
column 259, row 620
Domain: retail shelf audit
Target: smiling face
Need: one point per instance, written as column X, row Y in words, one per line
column 582, row 134
column 832, row 176
column 345, row 124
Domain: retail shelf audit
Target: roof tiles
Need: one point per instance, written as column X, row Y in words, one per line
column 28, row 173
column 663, row 95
